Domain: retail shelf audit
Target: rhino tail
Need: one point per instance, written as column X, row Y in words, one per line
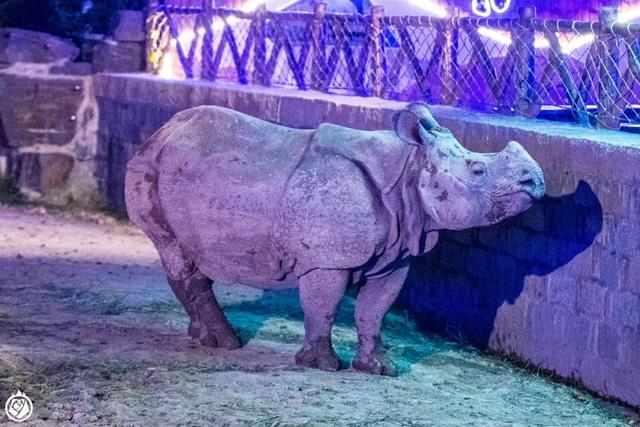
column 145, row 209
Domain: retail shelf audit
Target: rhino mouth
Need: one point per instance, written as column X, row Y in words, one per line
column 509, row 204
column 534, row 187
column 505, row 197
column 529, row 190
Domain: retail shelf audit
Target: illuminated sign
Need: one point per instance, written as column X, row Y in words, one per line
column 484, row 8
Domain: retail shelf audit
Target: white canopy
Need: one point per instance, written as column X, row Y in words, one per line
column 391, row 7
column 412, row 7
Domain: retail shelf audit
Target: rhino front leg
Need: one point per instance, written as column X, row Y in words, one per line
column 208, row 323
column 320, row 294
column 373, row 302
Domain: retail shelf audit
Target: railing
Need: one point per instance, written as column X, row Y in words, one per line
column 588, row 71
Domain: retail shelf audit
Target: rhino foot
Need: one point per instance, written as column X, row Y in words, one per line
column 222, row 339
column 318, row 354
column 377, row 364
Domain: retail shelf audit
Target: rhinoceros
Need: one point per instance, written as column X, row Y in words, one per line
column 228, row 197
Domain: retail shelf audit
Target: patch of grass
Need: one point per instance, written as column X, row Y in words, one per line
column 10, row 194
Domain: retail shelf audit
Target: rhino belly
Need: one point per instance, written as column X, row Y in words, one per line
column 221, row 201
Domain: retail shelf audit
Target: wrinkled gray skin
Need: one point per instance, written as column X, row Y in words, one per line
column 225, row 196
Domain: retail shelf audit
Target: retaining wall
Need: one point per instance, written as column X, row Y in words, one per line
column 558, row 286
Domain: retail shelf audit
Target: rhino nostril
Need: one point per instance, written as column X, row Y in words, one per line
column 529, row 183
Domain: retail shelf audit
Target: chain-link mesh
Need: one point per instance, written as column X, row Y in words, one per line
column 588, row 72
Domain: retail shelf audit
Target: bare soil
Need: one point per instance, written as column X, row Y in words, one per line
column 91, row 332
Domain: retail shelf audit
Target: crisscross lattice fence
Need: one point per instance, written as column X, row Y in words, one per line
column 587, row 71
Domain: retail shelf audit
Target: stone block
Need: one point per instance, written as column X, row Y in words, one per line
column 358, row 117
column 624, row 309
column 534, row 219
column 302, row 113
column 550, row 255
column 43, row 172
column 565, row 224
column 453, row 255
column 490, row 236
column 562, row 291
column 580, row 332
column 632, row 280
column 118, row 57
column 591, row 298
column 518, row 244
column 478, row 261
column 265, row 107
column 630, row 347
column 73, row 69
column 130, row 26
column 535, row 288
column 607, row 268
column 611, row 197
column 608, row 341
column 503, row 268
column 591, row 227
column 17, row 45
column 39, row 110
column 626, row 238
column 542, row 325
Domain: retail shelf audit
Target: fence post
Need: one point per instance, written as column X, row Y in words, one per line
column 525, row 78
column 150, row 59
column 375, row 38
column 450, row 58
column 609, row 75
column 207, row 40
column 318, row 71
column 260, row 46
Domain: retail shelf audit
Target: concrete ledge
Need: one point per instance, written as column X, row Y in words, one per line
column 558, row 287
column 131, row 88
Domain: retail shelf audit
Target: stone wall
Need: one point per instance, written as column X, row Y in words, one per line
column 48, row 124
column 557, row 287
column 48, row 115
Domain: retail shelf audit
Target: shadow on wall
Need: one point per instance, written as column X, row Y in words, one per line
column 457, row 289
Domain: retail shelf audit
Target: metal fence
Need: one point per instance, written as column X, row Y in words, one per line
column 588, row 72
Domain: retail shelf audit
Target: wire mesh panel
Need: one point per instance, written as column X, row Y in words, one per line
column 287, row 41
column 588, row 72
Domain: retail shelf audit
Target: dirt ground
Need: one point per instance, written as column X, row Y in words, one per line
column 91, row 332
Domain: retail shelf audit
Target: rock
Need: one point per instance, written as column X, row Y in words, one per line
column 43, row 172
column 73, row 68
column 130, row 26
column 39, row 110
column 87, row 45
column 17, row 45
column 118, row 57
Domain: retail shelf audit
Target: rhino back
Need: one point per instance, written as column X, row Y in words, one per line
column 221, row 176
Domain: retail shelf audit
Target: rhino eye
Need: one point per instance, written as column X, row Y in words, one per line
column 478, row 169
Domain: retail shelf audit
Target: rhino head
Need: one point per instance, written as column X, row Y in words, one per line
column 461, row 189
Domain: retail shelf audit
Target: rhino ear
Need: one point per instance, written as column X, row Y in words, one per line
column 412, row 128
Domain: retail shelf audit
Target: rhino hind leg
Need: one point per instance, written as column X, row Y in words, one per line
column 193, row 289
column 208, row 323
column 372, row 303
column 320, row 294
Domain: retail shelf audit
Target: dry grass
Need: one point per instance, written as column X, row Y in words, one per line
column 95, row 337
